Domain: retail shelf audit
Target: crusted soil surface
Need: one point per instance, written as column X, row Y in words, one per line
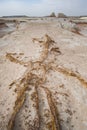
column 43, row 78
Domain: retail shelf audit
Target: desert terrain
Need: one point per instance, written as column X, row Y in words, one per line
column 43, row 73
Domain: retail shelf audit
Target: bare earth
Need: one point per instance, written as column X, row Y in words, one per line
column 43, row 76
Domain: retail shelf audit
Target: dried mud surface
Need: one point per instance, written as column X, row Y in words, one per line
column 43, row 82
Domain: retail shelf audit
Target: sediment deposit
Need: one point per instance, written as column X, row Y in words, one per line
column 43, row 76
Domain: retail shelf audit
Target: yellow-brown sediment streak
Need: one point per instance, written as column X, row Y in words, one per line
column 18, row 104
column 54, row 111
column 68, row 72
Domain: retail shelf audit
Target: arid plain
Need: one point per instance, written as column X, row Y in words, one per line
column 43, row 73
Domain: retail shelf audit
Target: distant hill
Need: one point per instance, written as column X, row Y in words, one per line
column 52, row 15
column 14, row 16
column 61, row 15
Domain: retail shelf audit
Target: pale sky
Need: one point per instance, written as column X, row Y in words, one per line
column 42, row 7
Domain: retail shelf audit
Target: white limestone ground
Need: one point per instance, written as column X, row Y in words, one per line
column 43, row 77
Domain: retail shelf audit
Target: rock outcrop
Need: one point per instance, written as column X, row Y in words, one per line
column 61, row 15
column 52, row 14
column 2, row 25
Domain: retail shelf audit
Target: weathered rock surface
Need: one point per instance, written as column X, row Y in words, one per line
column 43, row 80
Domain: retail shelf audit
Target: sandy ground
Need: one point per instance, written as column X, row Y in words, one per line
column 43, row 77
